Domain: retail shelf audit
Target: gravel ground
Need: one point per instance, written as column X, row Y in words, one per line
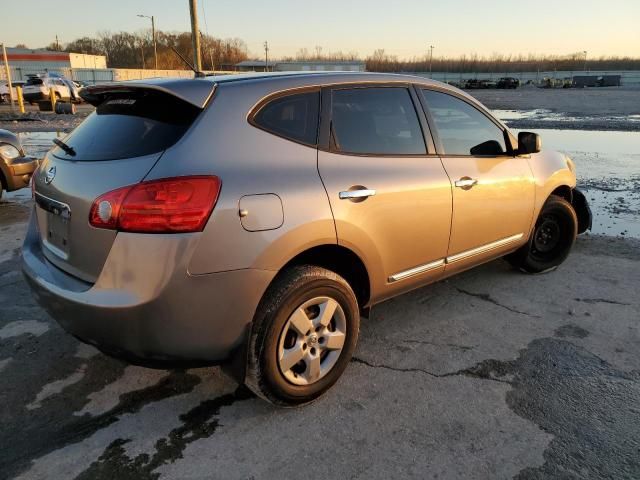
column 575, row 109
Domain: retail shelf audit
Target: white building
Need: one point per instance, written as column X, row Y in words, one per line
column 23, row 61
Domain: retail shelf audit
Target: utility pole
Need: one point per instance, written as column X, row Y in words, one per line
column 153, row 36
column 430, row 58
column 266, row 56
column 8, row 74
column 57, row 44
column 585, row 60
column 195, row 35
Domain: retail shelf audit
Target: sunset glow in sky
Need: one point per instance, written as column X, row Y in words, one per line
column 403, row 28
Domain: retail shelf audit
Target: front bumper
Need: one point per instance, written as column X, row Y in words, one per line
column 19, row 172
column 145, row 307
column 582, row 209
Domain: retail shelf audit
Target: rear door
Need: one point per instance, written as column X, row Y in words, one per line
column 493, row 190
column 115, row 146
column 390, row 195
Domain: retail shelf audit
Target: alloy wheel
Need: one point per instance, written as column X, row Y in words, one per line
column 312, row 340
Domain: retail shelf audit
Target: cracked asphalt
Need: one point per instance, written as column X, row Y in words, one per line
column 490, row 374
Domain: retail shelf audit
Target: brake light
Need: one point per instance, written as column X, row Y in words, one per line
column 168, row 205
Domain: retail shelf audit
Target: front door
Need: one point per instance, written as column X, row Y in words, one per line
column 389, row 193
column 493, row 190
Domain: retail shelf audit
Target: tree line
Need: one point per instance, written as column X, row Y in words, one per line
column 135, row 50
column 383, row 62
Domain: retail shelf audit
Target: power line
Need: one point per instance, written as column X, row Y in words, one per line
column 204, row 17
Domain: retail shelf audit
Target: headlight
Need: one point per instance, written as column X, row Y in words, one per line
column 9, row 152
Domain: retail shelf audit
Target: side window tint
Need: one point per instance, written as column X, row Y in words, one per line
column 463, row 130
column 294, row 117
column 375, row 121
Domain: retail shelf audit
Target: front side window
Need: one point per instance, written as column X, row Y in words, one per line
column 463, row 130
column 293, row 116
column 375, row 121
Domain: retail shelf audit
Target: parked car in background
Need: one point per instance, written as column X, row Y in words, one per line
column 472, row 84
column 4, row 90
column 508, row 83
column 488, row 83
column 15, row 167
column 38, row 88
column 250, row 220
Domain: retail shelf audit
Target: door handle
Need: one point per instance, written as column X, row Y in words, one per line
column 466, row 183
column 360, row 194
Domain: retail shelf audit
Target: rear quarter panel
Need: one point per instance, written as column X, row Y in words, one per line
column 250, row 161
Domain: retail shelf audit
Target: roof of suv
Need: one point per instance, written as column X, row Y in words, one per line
column 197, row 91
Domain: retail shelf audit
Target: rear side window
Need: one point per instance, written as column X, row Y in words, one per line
column 294, row 117
column 130, row 125
column 34, row 81
column 462, row 129
column 375, row 121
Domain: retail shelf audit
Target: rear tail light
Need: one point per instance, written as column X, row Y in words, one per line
column 168, row 205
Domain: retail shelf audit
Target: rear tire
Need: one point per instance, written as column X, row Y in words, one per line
column 304, row 334
column 552, row 239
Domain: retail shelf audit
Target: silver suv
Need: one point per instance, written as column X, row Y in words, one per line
column 251, row 220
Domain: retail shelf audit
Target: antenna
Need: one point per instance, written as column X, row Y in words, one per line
column 198, row 73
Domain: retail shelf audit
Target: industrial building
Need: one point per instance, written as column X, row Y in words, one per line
column 23, row 61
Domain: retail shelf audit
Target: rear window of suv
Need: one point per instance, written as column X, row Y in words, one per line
column 128, row 125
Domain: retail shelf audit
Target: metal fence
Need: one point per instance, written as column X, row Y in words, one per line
column 100, row 75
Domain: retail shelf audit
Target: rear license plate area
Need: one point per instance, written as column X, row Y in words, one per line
column 58, row 232
column 56, row 228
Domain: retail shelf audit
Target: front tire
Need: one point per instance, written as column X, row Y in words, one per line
column 552, row 239
column 304, row 334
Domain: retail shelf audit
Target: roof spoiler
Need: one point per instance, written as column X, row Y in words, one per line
column 197, row 92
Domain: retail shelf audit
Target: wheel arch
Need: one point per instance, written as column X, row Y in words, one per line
column 334, row 257
column 564, row 191
column 341, row 260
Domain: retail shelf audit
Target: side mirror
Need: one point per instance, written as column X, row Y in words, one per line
column 529, row 142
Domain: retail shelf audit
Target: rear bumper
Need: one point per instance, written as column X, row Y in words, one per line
column 18, row 174
column 145, row 307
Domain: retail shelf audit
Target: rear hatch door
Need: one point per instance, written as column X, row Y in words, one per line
column 115, row 146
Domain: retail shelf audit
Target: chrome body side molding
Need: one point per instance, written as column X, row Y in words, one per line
column 454, row 258
column 484, row 248
column 416, row 270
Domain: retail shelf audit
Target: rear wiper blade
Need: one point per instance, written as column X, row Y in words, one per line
column 69, row 150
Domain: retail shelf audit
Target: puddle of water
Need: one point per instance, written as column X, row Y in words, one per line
column 608, row 170
column 37, row 144
column 506, row 115
column 544, row 115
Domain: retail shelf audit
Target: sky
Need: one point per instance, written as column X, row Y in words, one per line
column 405, row 28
